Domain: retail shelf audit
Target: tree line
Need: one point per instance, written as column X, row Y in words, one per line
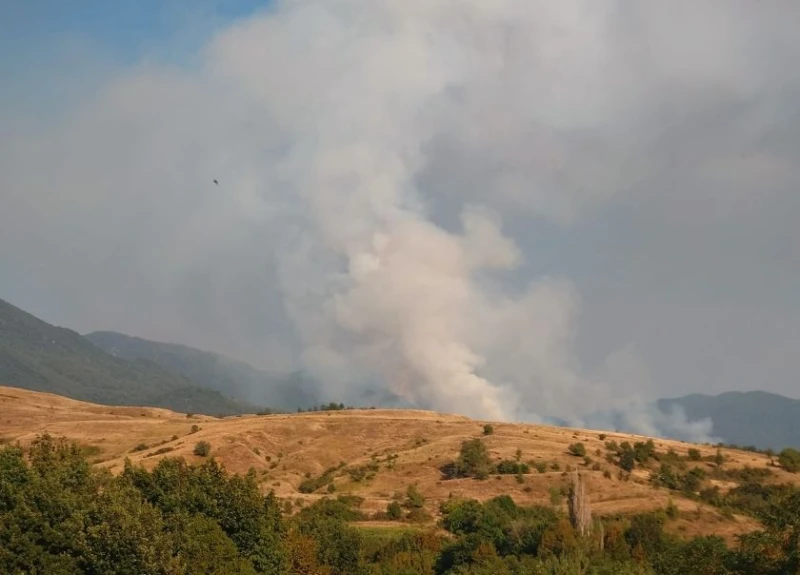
column 60, row 515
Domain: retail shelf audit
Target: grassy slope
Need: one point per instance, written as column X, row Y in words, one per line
column 284, row 448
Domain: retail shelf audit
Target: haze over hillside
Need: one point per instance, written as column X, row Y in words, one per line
column 764, row 420
column 514, row 209
column 38, row 356
column 114, row 368
column 214, row 371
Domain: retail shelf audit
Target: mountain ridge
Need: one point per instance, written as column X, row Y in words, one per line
column 757, row 418
column 38, row 356
column 232, row 377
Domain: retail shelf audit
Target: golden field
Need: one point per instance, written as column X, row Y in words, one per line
column 405, row 446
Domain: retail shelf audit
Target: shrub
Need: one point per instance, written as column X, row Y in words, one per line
column 694, row 454
column 311, row 484
column 671, row 509
column 394, row 511
column 789, row 459
column 508, row 467
column 414, row 499
column 202, row 448
column 643, row 451
column 577, row 449
column 140, row 447
column 195, row 428
column 488, row 429
column 627, row 456
column 364, row 472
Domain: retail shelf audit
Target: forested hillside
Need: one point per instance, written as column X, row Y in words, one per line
column 41, row 357
column 214, row 371
column 59, row 515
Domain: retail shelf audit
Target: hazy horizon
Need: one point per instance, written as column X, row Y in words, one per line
column 510, row 209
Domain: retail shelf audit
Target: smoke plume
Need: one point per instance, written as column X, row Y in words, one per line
column 384, row 168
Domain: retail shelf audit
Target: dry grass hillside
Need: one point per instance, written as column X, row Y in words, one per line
column 377, row 454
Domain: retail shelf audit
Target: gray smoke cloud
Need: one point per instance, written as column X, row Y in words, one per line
column 393, row 176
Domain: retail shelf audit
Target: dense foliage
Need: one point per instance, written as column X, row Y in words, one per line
column 59, row 515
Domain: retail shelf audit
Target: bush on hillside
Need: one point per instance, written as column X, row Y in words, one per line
column 789, row 459
column 577, row 449
column 473, row 461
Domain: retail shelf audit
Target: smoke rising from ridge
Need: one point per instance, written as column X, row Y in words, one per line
column 384, row 168
column 407, row 305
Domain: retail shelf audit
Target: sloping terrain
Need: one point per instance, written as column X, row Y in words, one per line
column 375, row 454
column 214, row 371
column 38, row 356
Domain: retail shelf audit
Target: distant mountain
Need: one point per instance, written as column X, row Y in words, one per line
column 757, row 418
column 747, row 419
column 214, row 371
column 41, row 357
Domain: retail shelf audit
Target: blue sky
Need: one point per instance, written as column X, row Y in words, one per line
column 126, row 29
column 53, row 53
column 45, row 42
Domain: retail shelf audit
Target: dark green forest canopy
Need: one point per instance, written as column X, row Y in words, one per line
column 59, row 515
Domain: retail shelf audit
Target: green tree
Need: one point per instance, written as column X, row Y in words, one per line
column 644, row 450
column 473, row 461
column 203, row 547
column 338, row 545
column 627, row 459
column 252, row 521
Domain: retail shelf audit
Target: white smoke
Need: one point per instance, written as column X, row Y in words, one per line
column 404, row 299
column 363, row 93
column 376, row 157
